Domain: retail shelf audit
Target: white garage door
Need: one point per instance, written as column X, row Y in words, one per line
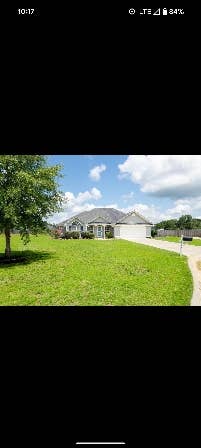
column 135, row 231
column 117, row 231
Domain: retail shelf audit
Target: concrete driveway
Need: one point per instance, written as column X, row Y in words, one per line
column 194, row 256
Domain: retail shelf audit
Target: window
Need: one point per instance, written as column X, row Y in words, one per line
column 76, row 226
column 90, row 229
column 109, row 229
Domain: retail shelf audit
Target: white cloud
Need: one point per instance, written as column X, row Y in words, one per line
column 109, row 206
column 76, row 204
column 151, row 212
column 83, row 197
column 127, row 196
column 95, row 173
column 186, row 207
column 173, row 176
column 180, row 207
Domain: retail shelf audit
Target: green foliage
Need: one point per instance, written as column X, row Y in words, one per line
column 47, row 229
column 28, row 193
column 170, row 224
column 87, row 235
column 196, row 223
column 71, row 235
column 109, row 235
column 153, row 232
column 75, row 235
column 184, row 222
column 67, row 236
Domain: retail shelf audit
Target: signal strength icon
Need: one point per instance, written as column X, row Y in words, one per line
column 157, row 12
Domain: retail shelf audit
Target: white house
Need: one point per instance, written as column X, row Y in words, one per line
column 101, row 220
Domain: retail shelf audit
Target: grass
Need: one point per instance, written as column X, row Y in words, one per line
column 82, row 272
column 177, row 239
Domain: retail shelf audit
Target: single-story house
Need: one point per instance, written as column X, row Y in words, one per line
column 102, row 220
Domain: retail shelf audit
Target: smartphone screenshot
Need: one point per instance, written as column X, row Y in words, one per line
column 100, row 220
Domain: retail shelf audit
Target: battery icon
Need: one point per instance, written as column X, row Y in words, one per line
column 165, row 11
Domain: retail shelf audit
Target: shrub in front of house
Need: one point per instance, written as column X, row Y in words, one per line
column 75, row 235
column 56, row 233
column 87, row 235
column 71, row 235
column 67, row 235
column 90, row 236
column 153, row 233
column 109, row 235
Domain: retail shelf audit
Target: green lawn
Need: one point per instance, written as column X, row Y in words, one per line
column 175, row 239
column 82, row 272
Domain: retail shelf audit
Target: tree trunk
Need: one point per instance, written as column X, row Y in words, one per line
column 8, row 249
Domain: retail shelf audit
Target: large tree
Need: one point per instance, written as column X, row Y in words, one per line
column 28, row 194
column 185, row 222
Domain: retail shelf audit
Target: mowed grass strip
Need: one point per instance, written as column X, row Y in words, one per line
column 175, row 239
column 82, row 272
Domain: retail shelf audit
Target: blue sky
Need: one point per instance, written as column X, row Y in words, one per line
column 159, row 187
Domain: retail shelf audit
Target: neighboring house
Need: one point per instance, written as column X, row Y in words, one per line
column 101, row 220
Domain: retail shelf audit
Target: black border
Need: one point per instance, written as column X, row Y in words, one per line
column 95, row 83
column 120, row 374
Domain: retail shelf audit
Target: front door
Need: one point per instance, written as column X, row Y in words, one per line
column 100, row 232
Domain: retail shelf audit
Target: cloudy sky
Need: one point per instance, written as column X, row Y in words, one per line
column 158, row 186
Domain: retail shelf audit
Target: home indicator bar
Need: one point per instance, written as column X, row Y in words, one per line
column 100, row 443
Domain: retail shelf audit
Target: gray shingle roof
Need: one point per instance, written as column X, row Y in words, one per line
column 109, row 215
column 99, row 220
column 130, row 218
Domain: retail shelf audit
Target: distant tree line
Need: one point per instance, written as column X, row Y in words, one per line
column 184, row 222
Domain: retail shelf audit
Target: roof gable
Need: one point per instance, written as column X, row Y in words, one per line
column 75, row 219
column 133, row 218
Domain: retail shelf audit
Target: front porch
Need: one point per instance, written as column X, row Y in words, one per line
column 100, row 230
